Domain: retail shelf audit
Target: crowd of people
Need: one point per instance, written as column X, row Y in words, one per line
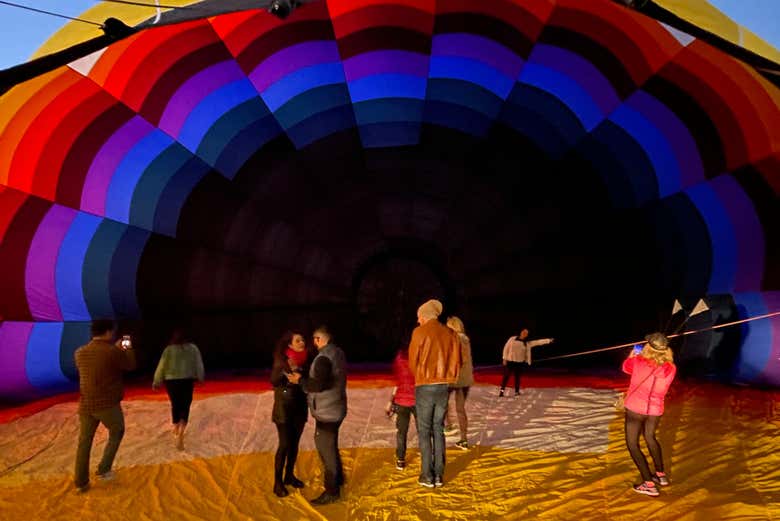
column 433, row 373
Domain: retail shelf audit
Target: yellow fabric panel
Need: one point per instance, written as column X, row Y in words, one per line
column 77, row 32
column 703, row 14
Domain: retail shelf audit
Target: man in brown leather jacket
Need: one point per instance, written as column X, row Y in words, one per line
column 435, row 361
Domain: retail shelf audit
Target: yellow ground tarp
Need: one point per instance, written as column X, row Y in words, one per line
column 554, row 454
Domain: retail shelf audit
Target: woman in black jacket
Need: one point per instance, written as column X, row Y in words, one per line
column 290, row 408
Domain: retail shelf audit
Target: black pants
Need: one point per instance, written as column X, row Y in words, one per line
column 403, row 415
column 515, row 368
column 287, row 452
column 180, row 393
column 326, row 439
column 637, row 424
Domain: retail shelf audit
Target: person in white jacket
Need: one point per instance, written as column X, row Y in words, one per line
column 517, row 353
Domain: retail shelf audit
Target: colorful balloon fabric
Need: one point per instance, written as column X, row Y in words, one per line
column 100, row 160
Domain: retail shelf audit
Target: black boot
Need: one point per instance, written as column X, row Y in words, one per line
column 279, row 490
column 325, row 498
column 293, row 481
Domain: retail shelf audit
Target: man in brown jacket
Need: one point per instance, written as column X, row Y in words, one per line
column 435, row 361
column 100, row 364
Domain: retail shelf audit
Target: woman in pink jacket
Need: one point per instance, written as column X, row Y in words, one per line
column 652, row 370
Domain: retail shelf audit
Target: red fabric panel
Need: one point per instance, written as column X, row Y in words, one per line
column 23, row 128
column 158, row 60
column 83, row 150
column 340, row 7
column 376, row 16
column 527, row 17
column 69, row 129
column 695, row 76
column 32, row 148
column 641, row 44
column 271, row 42
column 170, row 80
column 10, row 202
column 744, row 96
column 13, row 258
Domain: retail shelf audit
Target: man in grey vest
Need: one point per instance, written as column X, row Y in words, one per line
column 326, row 388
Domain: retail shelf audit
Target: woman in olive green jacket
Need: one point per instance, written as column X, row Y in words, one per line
column 180, row 365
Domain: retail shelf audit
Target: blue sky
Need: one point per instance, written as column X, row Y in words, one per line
column 22, row 32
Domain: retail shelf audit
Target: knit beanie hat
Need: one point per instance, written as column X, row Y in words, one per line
column 431, row 309
column 657, row 341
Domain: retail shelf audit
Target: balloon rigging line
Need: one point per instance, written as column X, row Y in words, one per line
column 158, row 12
column 50, row 13
column 46, row 447
column 142, row 4
column 750, row 319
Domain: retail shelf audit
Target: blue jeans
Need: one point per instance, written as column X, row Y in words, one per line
column 431, row 408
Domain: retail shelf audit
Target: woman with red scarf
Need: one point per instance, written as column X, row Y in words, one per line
column 290, row 410
column 402, row 404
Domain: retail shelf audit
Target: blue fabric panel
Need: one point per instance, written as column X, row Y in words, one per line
column 213, row 107
column 321, row 125
column 656, row 146
column 756, row 348
column 565, row 89
column 724, row 243
column 469, row 95
column 471, row 71
column 302, row 80
column 628, row 160
column 43, row 357
column 457, row 117
column 394, row 134
column 237, row 136
column 70, row 266
column 96, row 276
column 153, row 182
column 130, row 170
column 124, row 272
column 311, row 102
column 387, row 86
column 74, row 335
column 397, row 110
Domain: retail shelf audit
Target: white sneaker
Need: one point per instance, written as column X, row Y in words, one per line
column 108, row 476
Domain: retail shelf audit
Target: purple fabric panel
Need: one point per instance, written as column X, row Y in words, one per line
column 771, row 372
column 478, row 48
column 108, row 158
column 291, row 59
column 678, row 135
column 580, row 70
column 13, row 351
column 40, row 274
column 194, row 90
column 386, row 62
column 747, row 230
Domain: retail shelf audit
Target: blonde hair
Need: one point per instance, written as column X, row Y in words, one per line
column 659, row 357
column 456, row 324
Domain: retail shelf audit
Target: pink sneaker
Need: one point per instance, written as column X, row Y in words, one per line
column 647, row 488
column 661, row 479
